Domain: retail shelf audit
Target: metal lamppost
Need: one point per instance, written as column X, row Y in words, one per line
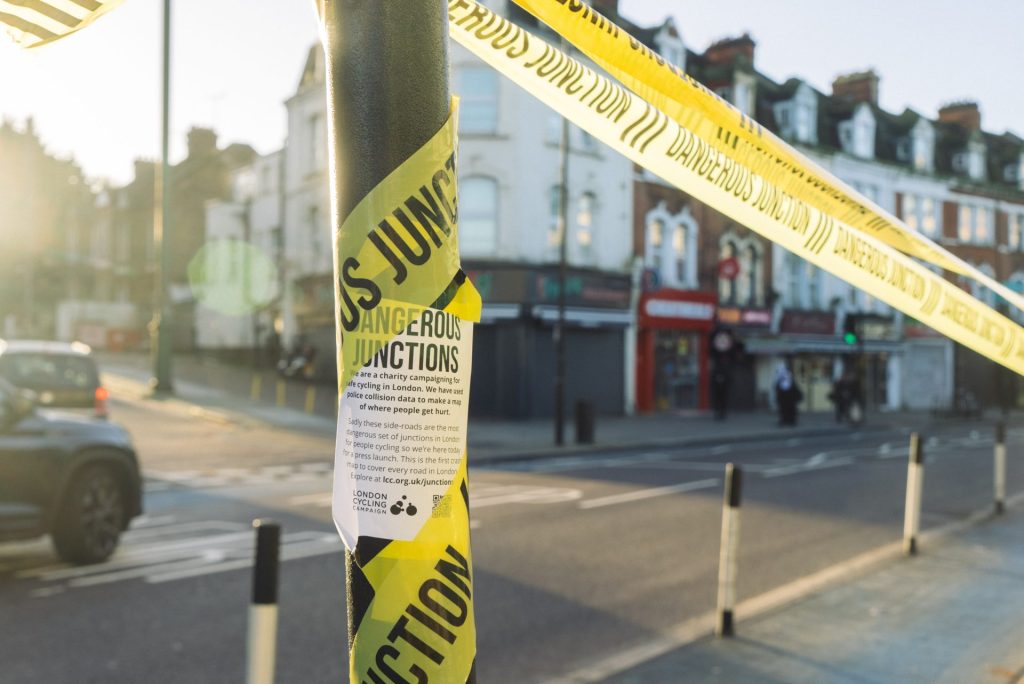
column 387, row 95
column 161, row 325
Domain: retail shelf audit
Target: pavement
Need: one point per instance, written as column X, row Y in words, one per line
column 950, row 616
column 218, row 390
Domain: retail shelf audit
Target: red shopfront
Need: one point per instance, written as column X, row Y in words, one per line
column 672, row 356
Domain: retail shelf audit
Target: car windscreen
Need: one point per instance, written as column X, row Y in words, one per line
column 48, row 371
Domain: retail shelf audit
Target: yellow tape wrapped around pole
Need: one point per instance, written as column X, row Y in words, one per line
column 651, row 138
column 404, row 322
column 721, row 125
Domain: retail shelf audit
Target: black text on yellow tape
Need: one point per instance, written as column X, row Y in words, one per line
column 651, row 138
column 404, row 318
column 721, row 125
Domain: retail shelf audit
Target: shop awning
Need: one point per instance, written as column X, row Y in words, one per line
column 823, row 345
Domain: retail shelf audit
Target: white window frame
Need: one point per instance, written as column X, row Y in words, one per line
column 915, row 216
column 469, row 100
column 664, row 257
column 749, row 284
column 474, row 245
column 968, row 232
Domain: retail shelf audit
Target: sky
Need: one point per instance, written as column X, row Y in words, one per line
column 96, row 95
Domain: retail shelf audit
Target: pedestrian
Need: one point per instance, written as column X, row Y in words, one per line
column 840, row 396
column 720, row 391
column 787, row 394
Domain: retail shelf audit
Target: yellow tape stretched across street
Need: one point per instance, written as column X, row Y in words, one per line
column 39, row 22
column 651, row 138
column 719, row 124
column 404, row 319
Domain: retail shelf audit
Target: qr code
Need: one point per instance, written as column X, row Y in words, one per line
column 442, row 506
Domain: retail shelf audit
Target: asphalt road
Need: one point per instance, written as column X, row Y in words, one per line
column 574, row 558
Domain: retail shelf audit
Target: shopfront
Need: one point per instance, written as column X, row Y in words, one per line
column 747, row 325
column 514, row 347
column 673, row 350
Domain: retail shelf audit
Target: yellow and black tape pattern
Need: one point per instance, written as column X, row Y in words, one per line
column 656, row 141
column 722, row 126
column 411, row 609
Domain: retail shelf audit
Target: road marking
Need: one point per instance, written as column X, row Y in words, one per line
column 318, row 499
column 641, row 494
column 813, row 464
column 326, row 543
column 135, row 534
column 129, row 556
column 152, row 521
column 522, row 494
column 719, row 450
column 181, row 558
column 479, row 497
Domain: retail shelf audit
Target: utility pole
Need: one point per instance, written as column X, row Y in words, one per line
column 160, row 329
column 563, row 241
column 247, row 253
column 387, row 94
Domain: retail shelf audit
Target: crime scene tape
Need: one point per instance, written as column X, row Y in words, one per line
column 39, row 22
column 651, row 138
column 721, row 125
column 404, row 320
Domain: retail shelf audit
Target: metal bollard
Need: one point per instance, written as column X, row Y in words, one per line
column 256, row 388
column 999, row 466
column 915, row 488
column 262, row 645
column 310, row 398
column 584, row 422
column 729, row 551
column 279, row 398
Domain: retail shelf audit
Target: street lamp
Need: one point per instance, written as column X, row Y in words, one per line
column 161, row 325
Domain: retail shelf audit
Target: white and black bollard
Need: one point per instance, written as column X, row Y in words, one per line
column 915, row 487
column 729, row 552
column 262, row 645
column 999, row 466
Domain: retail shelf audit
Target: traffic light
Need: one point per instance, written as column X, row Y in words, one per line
column 850, row 336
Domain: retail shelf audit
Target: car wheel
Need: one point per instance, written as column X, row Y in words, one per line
column 91, row 518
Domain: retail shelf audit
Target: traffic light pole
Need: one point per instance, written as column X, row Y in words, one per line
column 563, row 240
column 387, row 95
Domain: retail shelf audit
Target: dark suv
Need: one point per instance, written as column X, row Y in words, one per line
column 69, row 476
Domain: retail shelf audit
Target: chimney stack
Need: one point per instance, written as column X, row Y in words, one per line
column 727, row 50
column 964, row 114
column 201, row 142
column 861, row 86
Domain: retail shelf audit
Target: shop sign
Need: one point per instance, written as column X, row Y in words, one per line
column 541, row 286
column 600, row 291
column 671, row 308
column 877, row 330
column 808, row 323
column 736, row 316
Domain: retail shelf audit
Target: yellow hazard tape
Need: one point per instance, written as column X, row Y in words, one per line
column 651, row 138
column 722, row 126
column 404, row 314
column 32, row 24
